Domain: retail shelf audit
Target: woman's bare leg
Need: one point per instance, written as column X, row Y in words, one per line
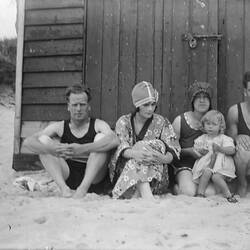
column 145, row 190
column 185, row 184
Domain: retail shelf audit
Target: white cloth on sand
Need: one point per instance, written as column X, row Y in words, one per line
column 30, row 184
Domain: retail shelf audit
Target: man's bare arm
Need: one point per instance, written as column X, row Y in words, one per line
column 232, row 122
column 37, row 143
column 242, row 141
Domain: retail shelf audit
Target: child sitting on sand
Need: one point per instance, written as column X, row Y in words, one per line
column 217, row 163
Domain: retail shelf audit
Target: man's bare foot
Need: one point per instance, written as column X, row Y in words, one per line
column 79, row 193
column 242, row 190
column 66, row 192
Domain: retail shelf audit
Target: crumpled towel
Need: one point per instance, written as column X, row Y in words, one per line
column 28, row 183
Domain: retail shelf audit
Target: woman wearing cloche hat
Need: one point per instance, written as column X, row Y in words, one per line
column 188, row 127
column 139, row 167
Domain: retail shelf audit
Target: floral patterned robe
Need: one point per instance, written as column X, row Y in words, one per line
column 159, row 129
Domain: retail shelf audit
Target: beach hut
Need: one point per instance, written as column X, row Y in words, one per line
column 110, row 45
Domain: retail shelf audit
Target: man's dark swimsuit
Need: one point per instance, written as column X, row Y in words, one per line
column 77, row 169
column 242, row 127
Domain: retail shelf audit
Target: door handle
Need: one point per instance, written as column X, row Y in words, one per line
column 192, row 38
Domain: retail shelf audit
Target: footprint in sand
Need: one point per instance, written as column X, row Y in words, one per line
column 191, row 245
column 135, row 211
column 23, row 202
column 67, row 213
column 225, row 245
column 40, row 220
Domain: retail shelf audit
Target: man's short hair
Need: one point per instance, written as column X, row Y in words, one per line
column 77, row 89
column 246, row 79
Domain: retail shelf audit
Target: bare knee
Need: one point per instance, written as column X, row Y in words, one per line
column 242, row 158
column 217, row 177
column 188, row 189
column 210, row 190
column 44, row 158
column 99, row 136
column 185, row 183
column 98, row 155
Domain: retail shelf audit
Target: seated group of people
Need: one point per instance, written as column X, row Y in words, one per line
column 147, row 155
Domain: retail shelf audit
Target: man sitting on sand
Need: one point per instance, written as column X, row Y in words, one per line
column 78, row 160
column 238, row 120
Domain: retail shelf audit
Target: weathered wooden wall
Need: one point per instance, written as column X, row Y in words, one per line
column 52, row 56
column 234, row 50
column 110, row 45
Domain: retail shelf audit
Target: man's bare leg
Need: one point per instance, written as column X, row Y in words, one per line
column 242, row 161
column 58, row 170
column 96, row 170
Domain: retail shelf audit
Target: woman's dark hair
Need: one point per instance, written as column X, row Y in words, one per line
column 138, row 109
column 77, row 89
column 206, row 95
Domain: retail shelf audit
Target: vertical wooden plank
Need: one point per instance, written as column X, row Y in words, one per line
column 222, row 59
column 247, row 37
column 235, row 12
column 212, row 49
column 110, row 61
column 94, row 52
column 127, row 55
column 19, row 67
column 199, row 25
column 145, row 38
column 84, row 41
column 158, row 50
column 167, row 59
column 180, row 54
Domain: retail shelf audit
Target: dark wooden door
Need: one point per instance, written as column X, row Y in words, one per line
column 130, row 41
column 194, row 49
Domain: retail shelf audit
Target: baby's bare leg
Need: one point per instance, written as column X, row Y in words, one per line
column 204, row 180
column 220, row 182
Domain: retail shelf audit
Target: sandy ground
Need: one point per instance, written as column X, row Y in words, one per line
column 42, row 220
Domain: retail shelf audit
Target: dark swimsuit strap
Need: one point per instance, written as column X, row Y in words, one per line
column 143, row 131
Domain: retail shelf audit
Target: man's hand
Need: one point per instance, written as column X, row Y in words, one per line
column 243, row 142
column 63, row 150
column 71, row 151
